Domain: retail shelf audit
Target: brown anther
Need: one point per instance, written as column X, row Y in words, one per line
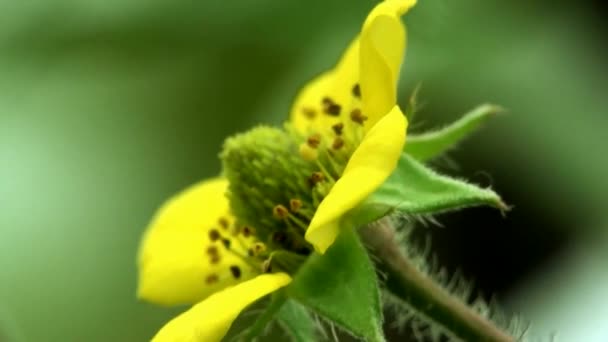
column 357, row 90
column 338, row 128
column 357, row 116
column 224, row 223
column 280, row 212
column 236, row 271
column 259, row 247
column 295, row 205
column 309, row 113
column 212, row 278
column 226, row 243
column 215, row 259
column 326, row 101
column 314, row 140
column 330, row 107
column 214, row 235
column 247, row 231
column 212, row 250
column 333, row 109
column 338, row 143
column 316, row 177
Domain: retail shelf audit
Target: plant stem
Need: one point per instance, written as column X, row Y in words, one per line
column 423, row 294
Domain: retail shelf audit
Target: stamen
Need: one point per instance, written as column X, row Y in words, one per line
column 224, row 223
column 257, row 249
column 338, row 143
column 215, row 259
column 214, row 235
column 247, row 260
column 338, row 128
column 212, row 278
column 333, row 109
column 309, row 113
column 325, row 171
column 336, row 167
column 299, row 223
column 314, row 140
column 243, row 244
column 226, row 243
column 308, row 153
column 357, row 91
column 212, row 250
column 330, row 107
column 247, row 231
column 307, row 213
column 295, row 205
column 316, row 178
column 280, row 212
column 357, row 116
column 236, row 271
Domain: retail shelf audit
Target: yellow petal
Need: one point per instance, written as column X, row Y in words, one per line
column 371, row 60
column 209, row 320
column 382, row 48
column 370, row 165
column 307, row 111
column 174, row 264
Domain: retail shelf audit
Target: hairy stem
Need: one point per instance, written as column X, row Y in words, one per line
column 425, row 295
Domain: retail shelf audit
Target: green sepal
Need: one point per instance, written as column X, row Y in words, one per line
column 426, row 146
column 341, row 286
column 292, row 318
column 297, row 322
column 258, row 327
column 413, row 188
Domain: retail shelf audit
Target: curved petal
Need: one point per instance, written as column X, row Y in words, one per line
column 370, row 165
column 210, row 319
column 307, row 111
column 174, row 263
column 383, row 42
column 371, row 62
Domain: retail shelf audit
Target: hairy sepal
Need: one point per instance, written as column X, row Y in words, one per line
column 414, row 189
column 341, row 286
column 429, row 145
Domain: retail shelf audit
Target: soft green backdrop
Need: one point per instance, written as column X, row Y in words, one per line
column 109, row 107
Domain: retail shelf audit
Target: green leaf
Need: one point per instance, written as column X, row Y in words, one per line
column 341, row 286
column 429, row 145
column 297, row 322
column 414, row 188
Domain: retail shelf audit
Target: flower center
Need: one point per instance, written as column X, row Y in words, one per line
column 278, row 178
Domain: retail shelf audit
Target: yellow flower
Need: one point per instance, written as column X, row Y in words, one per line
column 196, row 251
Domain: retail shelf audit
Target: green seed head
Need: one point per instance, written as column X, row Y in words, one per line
column 277, row 179
column 265, row 169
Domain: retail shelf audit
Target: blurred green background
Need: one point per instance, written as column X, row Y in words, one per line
column 109, row 107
